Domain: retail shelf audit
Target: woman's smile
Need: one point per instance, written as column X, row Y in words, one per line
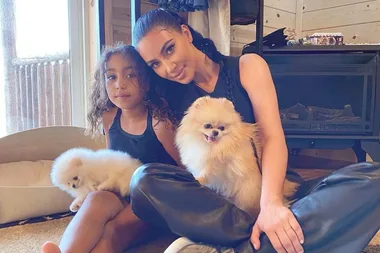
column 179, row 74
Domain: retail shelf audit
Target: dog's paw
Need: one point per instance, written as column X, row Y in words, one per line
column 94, row 188
column 202, row 180
column 74, row 207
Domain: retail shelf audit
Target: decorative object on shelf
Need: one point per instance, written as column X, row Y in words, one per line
column 302, row 41
column 244, row 12
column 319, row 39
column 331, row 39
column 182, row 5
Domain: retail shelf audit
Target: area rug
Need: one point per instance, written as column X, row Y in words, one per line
column 28, row 238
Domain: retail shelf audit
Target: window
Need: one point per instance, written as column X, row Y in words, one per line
column 42, row 56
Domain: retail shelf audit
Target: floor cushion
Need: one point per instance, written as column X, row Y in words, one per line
column 26, row 191
column 26, row 157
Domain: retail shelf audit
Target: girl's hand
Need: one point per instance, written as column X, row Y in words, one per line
column 281, row 227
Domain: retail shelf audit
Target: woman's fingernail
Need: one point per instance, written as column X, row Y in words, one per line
column 301, row 241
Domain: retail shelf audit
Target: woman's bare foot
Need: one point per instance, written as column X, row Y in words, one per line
column 50, row 247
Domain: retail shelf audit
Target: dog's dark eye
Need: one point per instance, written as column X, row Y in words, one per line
column 75, row 178
column 207, row 126
column 221, row 128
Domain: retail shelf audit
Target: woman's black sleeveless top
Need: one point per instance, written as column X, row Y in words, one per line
column 145, row 147
column 228, row 85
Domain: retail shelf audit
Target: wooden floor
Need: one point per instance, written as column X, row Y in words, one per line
column 313, row 173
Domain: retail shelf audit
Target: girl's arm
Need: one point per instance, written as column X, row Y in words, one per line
column 165, row 132
column 274, row 218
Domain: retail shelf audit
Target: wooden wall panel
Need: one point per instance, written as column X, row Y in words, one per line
column 277, row 14
column 359, row 21
column 346, row 15
column 313, row 5
column 285, row 5
column 108, row 22
column 118, row 19
column 242, row 35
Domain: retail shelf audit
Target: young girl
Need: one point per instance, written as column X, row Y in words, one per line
column 136, row 120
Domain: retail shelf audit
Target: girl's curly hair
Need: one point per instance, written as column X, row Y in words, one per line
column 146, row 79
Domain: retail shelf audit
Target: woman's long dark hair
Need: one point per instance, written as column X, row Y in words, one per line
column 169, row 20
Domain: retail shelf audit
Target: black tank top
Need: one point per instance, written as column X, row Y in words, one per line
column 228, row 85
column 145, row 147
column 180, row 97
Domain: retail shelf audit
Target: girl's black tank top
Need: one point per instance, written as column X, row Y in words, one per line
column 145, row 147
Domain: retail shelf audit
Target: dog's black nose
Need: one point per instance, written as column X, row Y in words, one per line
column 74, row 186
column 215, row 133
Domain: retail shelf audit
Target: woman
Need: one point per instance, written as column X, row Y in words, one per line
column 166, row 195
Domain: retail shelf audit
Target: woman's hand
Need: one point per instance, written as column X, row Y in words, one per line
column 281, row 227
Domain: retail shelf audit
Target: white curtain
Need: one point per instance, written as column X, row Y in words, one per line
column 214, row 23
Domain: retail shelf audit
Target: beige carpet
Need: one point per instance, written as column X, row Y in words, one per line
column 28, row 238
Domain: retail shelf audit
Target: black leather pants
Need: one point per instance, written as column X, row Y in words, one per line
column 338, row 214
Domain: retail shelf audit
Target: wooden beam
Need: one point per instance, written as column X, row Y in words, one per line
column 135, row 14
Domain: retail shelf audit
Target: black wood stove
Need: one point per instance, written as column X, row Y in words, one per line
column 329, row 96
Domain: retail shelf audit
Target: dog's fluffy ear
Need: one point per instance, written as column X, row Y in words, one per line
column 76, row 161
column 200, row 102
column 228, row 103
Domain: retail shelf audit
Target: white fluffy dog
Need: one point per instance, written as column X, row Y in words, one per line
column 80, row 171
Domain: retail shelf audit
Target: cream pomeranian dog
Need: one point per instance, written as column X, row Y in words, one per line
column 224, row 153
column 79, row 171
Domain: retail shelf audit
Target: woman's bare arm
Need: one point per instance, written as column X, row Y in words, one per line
column 277, row 221
column 257, row 81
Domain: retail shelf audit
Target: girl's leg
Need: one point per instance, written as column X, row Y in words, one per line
column 87, row 226
column 122, row 232
column 340, row 214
